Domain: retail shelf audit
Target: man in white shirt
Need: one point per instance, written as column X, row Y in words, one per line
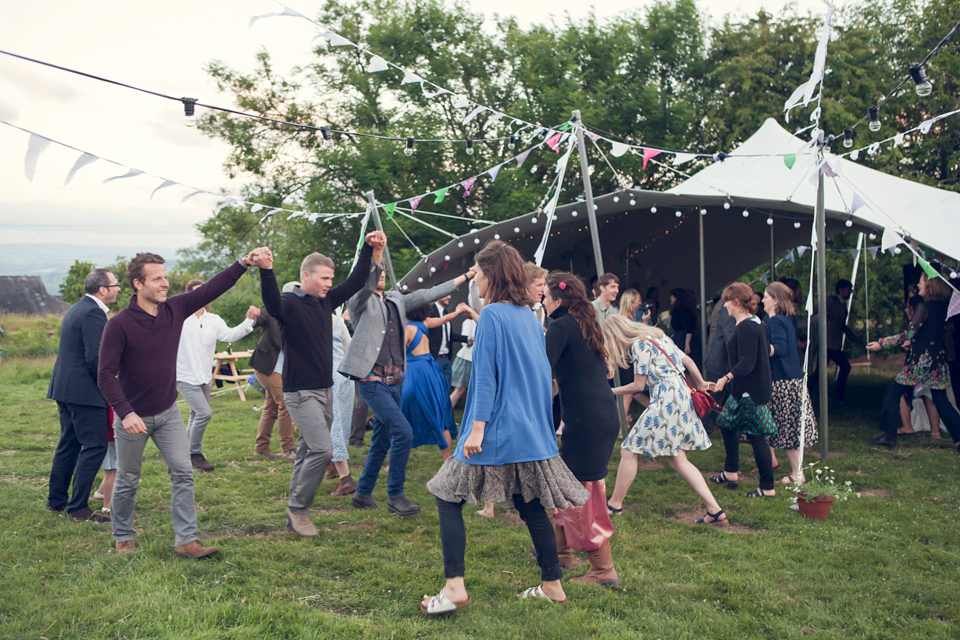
column 198, row 344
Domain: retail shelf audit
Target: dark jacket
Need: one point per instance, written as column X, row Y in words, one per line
column 74, row 378
column 267, row 352
column 435, row 335
column 749, row 353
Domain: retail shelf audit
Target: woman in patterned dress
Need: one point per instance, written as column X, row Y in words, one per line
column 507, row 450
column 926, row 362
column 790, row 404
column 670, row 426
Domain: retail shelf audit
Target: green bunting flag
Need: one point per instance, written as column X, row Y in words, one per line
column 389, row 208
column 927, row 269
column 789, row 160
column 564, row 126
column 441, row 194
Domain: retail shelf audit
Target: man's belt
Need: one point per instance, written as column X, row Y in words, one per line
column 390, row 380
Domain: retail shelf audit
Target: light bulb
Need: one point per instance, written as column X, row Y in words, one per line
column 874, row 114
column 633, row 202
column 923, row 85
column 848, row 223
column 516, row 229
column 616, row 198
column 953, row 275
column 405, row 286
column 476, row 241
column 703, row 212
column 796, row 225
column 554, row 217
column 513, row 142
column 446, row 258
column 897, row 250
column 496, row 236
column 420, row 279
column 769, row 221
column 469, row 147
column 327, row 138
column 726, row 205
column 653, row 209
column 189, row 111
column 408, row 150
column 873, row 236
column 679, row 213
column 534, row 220
column 460, row 244
column 848, row 137
column 746, row 214
column 575, row 214
column 433, row 269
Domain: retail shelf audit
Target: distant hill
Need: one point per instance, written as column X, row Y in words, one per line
column 52, row 261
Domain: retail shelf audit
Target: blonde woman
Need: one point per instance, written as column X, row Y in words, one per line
column 670, row 426
column 629, row 304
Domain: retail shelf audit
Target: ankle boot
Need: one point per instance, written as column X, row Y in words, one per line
column 568, row 560
column 601, row 568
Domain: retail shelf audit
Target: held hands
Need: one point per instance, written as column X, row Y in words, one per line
column 873, row 346
column 377, row 240
column 471, row 273
column 261, row 257
column 133, row 424
column 719, row 384
column 253, row 312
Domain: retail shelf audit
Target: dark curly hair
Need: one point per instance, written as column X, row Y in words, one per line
column 135, row 266
column 569, row 290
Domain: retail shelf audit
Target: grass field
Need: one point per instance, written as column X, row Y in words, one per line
column 886, row 565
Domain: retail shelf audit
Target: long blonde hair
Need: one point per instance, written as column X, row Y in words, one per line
column 619, row 334
column 629, row 303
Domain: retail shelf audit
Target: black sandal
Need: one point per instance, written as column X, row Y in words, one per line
column 721, row 477
column 758, row 493
column 714, row 519
column 614, row 511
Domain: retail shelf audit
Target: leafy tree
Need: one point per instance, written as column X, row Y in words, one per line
column 71, row 289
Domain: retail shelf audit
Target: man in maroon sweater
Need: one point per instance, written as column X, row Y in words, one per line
column 137, row 376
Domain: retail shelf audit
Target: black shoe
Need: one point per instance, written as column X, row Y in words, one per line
column 402, row 506
column 884, row 441
column 87, row 514
column 362, row 502
column 200, row 462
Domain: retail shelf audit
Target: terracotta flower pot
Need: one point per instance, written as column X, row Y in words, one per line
column 817, row 508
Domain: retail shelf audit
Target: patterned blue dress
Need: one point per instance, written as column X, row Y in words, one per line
column 425, row 401
column 670, row 424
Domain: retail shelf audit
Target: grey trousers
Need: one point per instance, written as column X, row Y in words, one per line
column 198, row 399
column 166, row 430
column 312, row 412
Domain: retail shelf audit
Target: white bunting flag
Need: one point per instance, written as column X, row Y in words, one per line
column 132, row 173
column 898, row 140
column 857, row 203
column 287, row 11
column 491, row 120
column 617, row 149
column 801, row 251
column 190, row 195
column 683, row 158
column 36, row 146
column 432, row 94
column 925, row 126
column 410, row 77
column 873, row 252
column 163, row 185
column 230, row 201
column 855, row 154
column 473, row 114
column 377, row 64
column 461, row 103
column 889, row 239
column 84, row 159
column 494, row 172
column 335, row 40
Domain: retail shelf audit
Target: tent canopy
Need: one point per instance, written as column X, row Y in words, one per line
column 651, row 238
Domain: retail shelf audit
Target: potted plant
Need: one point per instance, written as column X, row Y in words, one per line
column 815, row 498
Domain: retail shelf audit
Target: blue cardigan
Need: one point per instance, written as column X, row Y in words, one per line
column 785, row 362
column 510, row 389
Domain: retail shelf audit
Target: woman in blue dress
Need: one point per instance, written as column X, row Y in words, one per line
column 425, row 402
column 507, row 450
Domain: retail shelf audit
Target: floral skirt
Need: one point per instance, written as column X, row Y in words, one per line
column 741, row 414
column 549, row 480
column 789, row 402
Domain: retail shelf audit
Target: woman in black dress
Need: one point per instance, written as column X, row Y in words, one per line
column 683, row 323
column 577, row 356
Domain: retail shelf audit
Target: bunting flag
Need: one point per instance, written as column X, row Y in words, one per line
column 377, row 64
column 441, row 194
column 801, row 251
column 36, row 146
column 468, row 185
column 953, row 308
column 287, row 11
column 855, row 155
column 898, row 140
column 226, row 203
column 890, row 239
column 552, row 204
column 461, row 103
column 648, row 154
column 789, row 256
column 764, row 279
column 491, row 120
column 593, row 136
column 494, row 171
column 84, row 159
column 873, row 252
column 617, row 149
column 132, row 173
column 827, row 170
column 807, row 89
column 473, row 114
column 790, row 159
column 427, row 93
column 554, row 142
column 683, row 158
column 414, row 203
column 925, row 126
column 163, row 185
column 335, row 40
column 409, row 77
column 522, row 158
column 199, row 191
column 927, row 269
column 390, row 208
column 856, row 204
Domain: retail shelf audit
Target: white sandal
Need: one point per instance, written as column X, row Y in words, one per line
column 441, row 604
column 537, row 592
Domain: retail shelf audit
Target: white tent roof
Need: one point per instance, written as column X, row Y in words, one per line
column 926, row 214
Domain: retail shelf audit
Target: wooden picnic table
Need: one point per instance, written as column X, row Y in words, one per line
column 237, row 377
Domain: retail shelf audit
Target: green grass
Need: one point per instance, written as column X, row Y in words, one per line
column 880, row 567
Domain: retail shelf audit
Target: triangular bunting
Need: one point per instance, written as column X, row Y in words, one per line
column 554, row 141
column 229, row 201
column 461, row 103
column 789, row 256
column 163, row 185
column 873, row 252
column 491, row 120
column 390, row 208
column 427, row 93
column 468, row 185
column 617, row 149
column 898, row 140
column 36, row 146
column 199, row 191
column 82, row 161
column 857, row 203
column 682, row 158
column 494, row 171
column 473, row 114
column 410, row 77
column 855, row 155
column 801, row 251
column 954, row 307
column 593, row 136
column 648, row 154
column 789, row 159
column 522, row 158
column 132, row 173
column 889, row 239
column 377, row 64
column 441, row 194
column 414, row 203
column 287, row 11
column 927, row 269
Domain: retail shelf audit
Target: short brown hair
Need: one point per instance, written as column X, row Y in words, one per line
column 135, row 266
column 937, row 289
column 783, row 295
column 315, row 260
column 532, row 272
column 743, row 294
column 196, row 282
column 606, row 279
column 506, row 280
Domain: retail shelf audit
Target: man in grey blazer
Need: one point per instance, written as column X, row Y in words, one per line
column 83, row 411
column 376, row 358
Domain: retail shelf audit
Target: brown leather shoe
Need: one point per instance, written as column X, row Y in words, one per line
column 601, row 571
column 345, row 487
column 195, row 550
column 300, row 524
column 290, row 455
column 87, row 514
column 331, row 472
column 125, row 546
column 199, row 462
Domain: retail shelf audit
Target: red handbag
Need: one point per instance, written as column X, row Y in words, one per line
column 703, row 402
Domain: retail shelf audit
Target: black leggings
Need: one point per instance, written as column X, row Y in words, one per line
column 761, row 453
column 453, row 537
column 890, row 413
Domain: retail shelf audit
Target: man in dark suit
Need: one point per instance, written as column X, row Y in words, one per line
column 442, row 338
column 83, row 411
column 836, row 330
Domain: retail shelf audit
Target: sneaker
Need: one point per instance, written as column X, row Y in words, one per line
column 290, row 455
column 362, row 502
column 200, row 462
column 87, row 514
column 96, row 496
column 402, row 506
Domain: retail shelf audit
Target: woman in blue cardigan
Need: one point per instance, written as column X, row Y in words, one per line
column 507, row 450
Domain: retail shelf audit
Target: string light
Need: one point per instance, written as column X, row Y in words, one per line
column 633, row 202
column 476, row 241
column 653, row 209
column 769, row 220
column 796, row 225
column 873, row 236
column 679, row 213
column 574, row 214
column 189, row 111
column 746, row 213
column 848, row 137
column 496, row 236
column 460, row 244
column 513, row 141
column 516, row 229
column 703, row 211
column 726, row 204
column 446, row 258
column 327, row 137
column 408, row 150
column 848, row 223
column 616, row 198
column 874, row 113
column 922, row 85
column 469, row 147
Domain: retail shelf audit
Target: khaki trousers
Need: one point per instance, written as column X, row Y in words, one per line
column 274, row 410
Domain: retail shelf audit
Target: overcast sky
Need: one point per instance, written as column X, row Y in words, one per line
column 162, row 46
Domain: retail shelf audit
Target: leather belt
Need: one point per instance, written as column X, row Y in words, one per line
column 385, row 380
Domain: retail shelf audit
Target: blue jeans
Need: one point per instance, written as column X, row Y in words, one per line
column 391, row 432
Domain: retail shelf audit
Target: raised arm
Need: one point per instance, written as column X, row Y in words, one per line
column 362, row 271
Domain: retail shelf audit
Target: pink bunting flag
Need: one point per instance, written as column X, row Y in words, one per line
column 648, row 154
column 522, row 158
column 554, row 141
column 593, row 136
column 414, row 203
column 468, row 185
column 954, row 307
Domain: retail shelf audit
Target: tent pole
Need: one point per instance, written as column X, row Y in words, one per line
column 371, row 198
column 703, row 298
column 588, row 191
column 773, row 258
column 866, row 299
column 821, row 248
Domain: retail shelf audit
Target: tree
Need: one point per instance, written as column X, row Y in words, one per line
column 71, row 289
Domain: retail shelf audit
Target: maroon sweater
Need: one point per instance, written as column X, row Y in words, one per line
column 138, row 351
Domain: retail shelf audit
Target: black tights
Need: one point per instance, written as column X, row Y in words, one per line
column 890, row 413
column 453, row 537
column 761, row 453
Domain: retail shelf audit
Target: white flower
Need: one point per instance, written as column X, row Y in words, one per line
column 819, row 471
column 848, row 482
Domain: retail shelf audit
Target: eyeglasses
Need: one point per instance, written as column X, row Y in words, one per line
column 118, row 285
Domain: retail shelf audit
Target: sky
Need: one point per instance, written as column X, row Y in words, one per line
column 163, row 47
